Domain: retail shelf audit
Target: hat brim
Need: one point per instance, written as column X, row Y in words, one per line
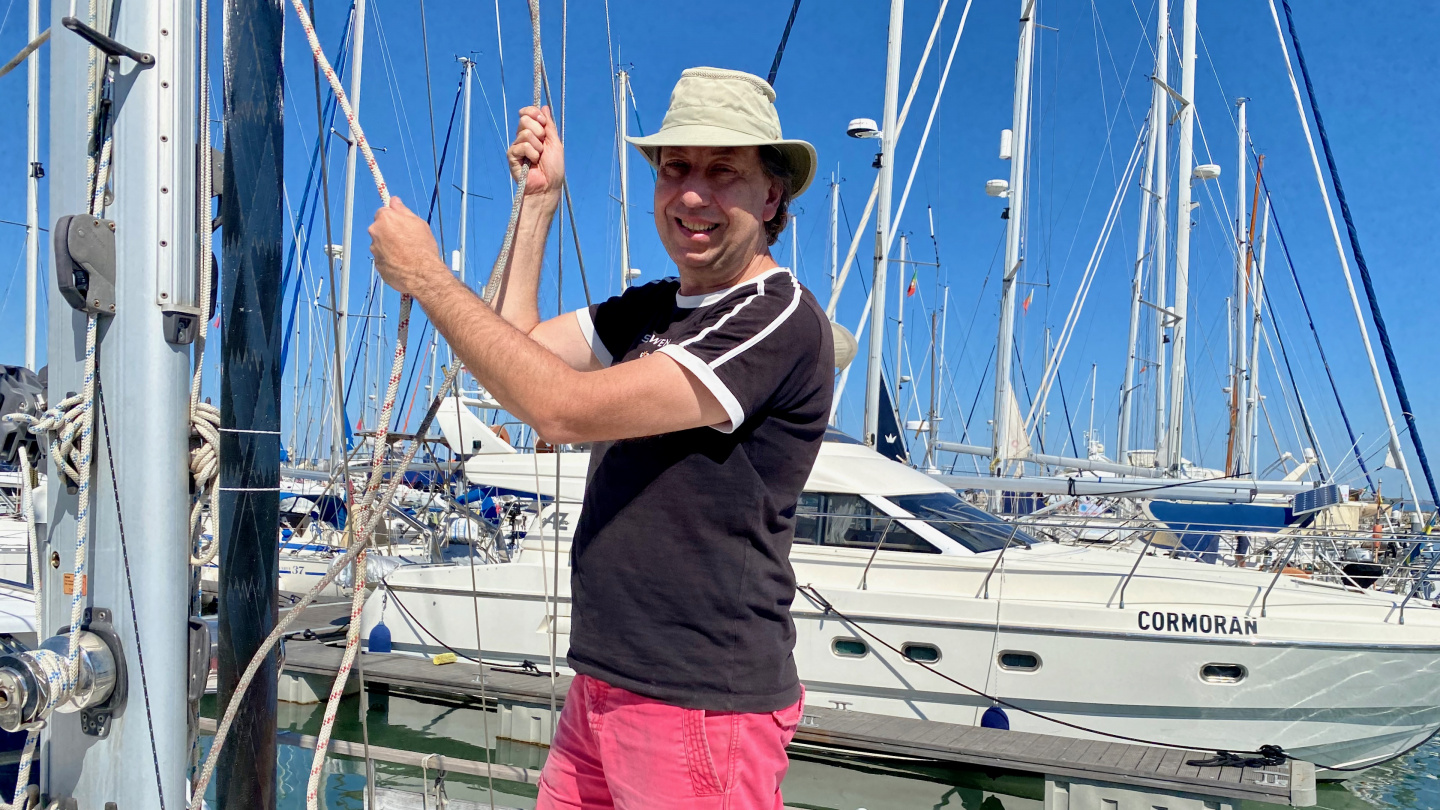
column 799, row 154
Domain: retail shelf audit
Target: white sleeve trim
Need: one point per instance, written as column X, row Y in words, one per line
column 708, row 378
column 759, row 336
column 587, row 328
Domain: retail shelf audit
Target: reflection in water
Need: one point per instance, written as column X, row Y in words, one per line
column 457, row 728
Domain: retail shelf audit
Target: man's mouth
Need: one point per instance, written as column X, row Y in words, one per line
column 694, row 227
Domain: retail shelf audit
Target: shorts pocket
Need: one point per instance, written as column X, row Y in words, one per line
column 709, row 774
column 788, row 718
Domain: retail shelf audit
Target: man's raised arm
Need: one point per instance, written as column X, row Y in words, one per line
column 537, row 143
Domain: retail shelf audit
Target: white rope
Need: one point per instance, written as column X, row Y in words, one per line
column 204, row 417
column 367, row 514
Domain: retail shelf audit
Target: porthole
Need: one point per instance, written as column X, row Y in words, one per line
column 849, row 648
column 1223, row 673
column 921, row 653
column 1017, row 661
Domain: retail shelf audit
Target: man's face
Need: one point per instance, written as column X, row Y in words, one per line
column 711, row 205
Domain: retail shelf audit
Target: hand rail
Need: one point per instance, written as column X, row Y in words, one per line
column 1434, row 558
column 866, row 573
column 1280, row 569
column 1136, row 566
column 985, row 586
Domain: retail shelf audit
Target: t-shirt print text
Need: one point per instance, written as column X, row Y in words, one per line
column 654, row 341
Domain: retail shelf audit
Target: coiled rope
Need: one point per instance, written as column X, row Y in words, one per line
column 204, row 417
column 69, row 427
column 367, row 514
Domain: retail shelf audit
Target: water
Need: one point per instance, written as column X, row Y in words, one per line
column 816, row 781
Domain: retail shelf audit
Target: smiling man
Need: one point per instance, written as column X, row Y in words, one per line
column 704, row 398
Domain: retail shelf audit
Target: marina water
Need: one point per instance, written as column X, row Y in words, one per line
column 817, row 781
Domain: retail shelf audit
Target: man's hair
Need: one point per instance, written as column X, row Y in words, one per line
column 777, row 168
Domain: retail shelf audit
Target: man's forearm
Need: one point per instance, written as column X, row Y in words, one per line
column 499, row 353
column 517, row 298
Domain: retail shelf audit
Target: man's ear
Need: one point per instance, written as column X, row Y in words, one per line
column 772, row 199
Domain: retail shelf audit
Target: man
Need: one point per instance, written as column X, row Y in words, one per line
column 705, row 399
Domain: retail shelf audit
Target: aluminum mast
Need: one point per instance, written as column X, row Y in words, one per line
column 621, row 122
column 32, row 184
column 1184, row 180
column 1019, row 137
column 890, row 128
column 142, row 421
column 1240, row 420
column 1148, row 247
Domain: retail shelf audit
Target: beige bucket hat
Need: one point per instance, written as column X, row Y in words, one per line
column 718, row 107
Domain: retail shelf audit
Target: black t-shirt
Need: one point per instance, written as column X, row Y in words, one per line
column 681, row 571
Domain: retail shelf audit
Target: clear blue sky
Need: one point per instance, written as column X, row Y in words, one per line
column 1373, row 73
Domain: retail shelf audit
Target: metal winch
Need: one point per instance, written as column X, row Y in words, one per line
column 34, row 680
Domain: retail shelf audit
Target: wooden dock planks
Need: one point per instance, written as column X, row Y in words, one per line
column 1109, row 761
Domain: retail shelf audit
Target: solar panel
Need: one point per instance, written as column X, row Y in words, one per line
column 1313, row 500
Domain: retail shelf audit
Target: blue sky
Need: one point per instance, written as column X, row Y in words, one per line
column 1373, row 76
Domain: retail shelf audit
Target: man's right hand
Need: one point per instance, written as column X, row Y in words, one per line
column 538, row 143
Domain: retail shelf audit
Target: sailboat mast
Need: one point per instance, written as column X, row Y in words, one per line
column 930, row 416
column 1184, row 181
column 1240, row 419
column 900, row 317
column 621, row 121
column 1258, row 292
column 32, row 185
column 889, row 129
column 141, row 412
column 469, row 67
column 253, row 234
column 461, row 254
column 1143, row 247
column 1160, row 244
column 1019, row 137
column 352, row 153
column 834, row 232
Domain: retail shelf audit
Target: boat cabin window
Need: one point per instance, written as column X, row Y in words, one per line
column 1019, row 661
column 920, row 653
column 850, row 648
column 1223, row 673
column 829, row 519
column 972, row 528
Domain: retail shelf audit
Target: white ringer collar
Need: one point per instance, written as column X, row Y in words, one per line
column 697, row 301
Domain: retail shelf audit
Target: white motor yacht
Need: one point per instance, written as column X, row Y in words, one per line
column 1106, row 638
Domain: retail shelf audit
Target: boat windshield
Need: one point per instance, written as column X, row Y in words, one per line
column 972, row 528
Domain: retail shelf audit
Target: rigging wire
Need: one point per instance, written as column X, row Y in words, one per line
column 1320, row 347
column 1406, row 411
column 784, row 38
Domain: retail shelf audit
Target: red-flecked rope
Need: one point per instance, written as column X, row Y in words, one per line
column 366, row 516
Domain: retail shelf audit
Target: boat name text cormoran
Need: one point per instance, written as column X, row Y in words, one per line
column 1206, row 623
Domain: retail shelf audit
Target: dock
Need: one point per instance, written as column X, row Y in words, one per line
column 1079, row 773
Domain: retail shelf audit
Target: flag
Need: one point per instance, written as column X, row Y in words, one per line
column 1025, row 307
column 914, row 282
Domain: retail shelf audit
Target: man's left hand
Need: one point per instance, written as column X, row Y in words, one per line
column 405, row 252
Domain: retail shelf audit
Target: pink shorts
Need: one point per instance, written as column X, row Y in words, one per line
column 614, row 748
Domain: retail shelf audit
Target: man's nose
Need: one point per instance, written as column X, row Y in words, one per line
column 695, row 194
